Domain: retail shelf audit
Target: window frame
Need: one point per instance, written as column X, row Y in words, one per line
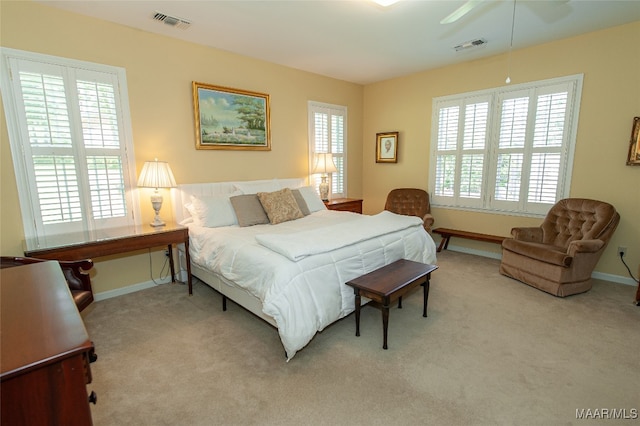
column 37, row 234
column 315, row 179
column 486, row 201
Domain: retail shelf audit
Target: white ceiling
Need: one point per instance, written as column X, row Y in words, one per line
column 359, row 41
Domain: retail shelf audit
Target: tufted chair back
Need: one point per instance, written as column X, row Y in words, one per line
column 559, row 255
column 578, row 219
column 411, row 202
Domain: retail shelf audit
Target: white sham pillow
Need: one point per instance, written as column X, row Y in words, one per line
column 213, row 211
column 311, row 197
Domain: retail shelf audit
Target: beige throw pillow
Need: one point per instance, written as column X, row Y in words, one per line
column 248, row 210
column 302, row 204
column 280, row 206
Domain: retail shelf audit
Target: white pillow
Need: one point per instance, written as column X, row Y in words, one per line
column 186, row 222
column 255, row 187
column 292, row 183
column 213, row 211
column 311, row 197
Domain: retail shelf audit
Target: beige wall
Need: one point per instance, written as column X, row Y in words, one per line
column 609, row 60
column 160, row 71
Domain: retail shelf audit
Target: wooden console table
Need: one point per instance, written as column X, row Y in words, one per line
column 45, row 349
column 117, row 241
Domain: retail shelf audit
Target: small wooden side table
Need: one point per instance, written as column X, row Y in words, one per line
column 117, row 241
column 389, row 283
column 345, row 204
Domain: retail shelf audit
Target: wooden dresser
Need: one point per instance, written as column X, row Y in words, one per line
column 45, row 349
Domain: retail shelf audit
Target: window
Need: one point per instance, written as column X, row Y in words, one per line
column 71, row 145
column 328, row 133
column 508, row 149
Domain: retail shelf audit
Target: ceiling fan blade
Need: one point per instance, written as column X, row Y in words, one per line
column 461, row 11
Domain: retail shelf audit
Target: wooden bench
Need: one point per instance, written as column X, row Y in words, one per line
column 389, row 283
column 448, row 233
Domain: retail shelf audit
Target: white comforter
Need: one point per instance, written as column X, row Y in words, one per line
column 307, row 294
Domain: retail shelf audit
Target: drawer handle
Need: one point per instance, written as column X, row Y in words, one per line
column 93, row 398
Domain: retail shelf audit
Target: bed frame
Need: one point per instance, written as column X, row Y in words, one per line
column 180, row 196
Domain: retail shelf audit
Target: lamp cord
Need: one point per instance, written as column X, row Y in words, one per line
column 166, row 261
column 628, row 270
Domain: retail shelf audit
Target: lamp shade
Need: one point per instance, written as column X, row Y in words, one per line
column 324, row 163
column 156, row 174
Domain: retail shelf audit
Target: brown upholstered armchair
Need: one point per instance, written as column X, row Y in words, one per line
column 559, row 256
column 411, row 202
column 74, row 271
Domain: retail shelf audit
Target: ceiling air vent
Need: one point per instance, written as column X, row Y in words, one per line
column 470, row 44
column 171, row 20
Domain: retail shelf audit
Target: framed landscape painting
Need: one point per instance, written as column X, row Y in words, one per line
column 228, row 118
column 634, row 144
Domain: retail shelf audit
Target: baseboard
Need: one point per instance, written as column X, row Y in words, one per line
column 128, row 289
column 597, row 275
column 183, row 276
column 614, row 278
column 482, row 253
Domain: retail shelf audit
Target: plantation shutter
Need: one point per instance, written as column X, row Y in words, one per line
column 461, row 153
column 446, row 154
column 327, row 133
column 532, row 152
column 507, row 149
column 473, row 155
column 69, row 146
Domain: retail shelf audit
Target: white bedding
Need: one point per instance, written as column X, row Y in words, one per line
column 306, row 295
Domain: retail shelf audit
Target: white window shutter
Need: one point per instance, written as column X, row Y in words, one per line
column 328, row 133
column 508, row 149
column 69, row 142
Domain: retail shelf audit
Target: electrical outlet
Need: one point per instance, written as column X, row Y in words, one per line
column 166, row 253
column 622, row 251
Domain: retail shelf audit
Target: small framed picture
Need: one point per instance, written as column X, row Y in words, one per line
column 634, row 144
column 387, row 147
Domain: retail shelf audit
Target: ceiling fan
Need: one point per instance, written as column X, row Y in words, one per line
column 461, row 11
column 472, row 4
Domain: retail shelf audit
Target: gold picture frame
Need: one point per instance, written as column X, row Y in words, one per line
column 227, row 118
column 387, row 147
column 634, row 144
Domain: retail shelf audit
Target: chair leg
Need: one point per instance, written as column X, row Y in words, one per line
column 93, row 357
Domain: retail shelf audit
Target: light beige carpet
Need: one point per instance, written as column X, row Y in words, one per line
column 493, row 351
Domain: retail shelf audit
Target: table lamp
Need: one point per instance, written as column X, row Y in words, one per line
column 156, row 174
column 324, row 165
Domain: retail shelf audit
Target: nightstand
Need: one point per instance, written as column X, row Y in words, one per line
column 345, row 204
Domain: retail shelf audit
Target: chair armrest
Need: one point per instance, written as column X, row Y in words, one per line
column 584, row 246
column 76, row 273
column 532, row 234
column 428, row 221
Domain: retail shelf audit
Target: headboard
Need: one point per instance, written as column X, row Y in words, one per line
column 181, row 195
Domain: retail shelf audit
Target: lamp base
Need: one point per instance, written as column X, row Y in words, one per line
column 324, row 189
column 157, row 222
column 156, row 203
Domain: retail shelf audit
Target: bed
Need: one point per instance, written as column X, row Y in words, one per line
column 290, row 272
